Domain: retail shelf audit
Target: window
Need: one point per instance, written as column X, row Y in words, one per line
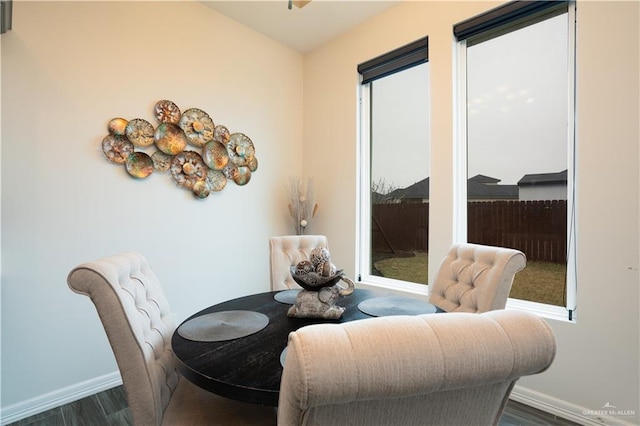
column 394, row 182
column 516, row 151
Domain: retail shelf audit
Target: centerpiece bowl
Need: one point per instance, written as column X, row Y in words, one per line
column 313, row 281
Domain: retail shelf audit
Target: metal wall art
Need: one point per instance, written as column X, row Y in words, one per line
column 218, row 156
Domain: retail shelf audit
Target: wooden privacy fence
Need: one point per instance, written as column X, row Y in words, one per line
column 400, row 227
column 538, row 228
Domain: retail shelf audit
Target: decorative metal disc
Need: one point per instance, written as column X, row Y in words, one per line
column 140, row 132
column 221, row 134
column 117, row 126
column 170, row 138
column 167, row 112
column 201, row 189
column 187, row 168
column 230, row 171
column 216, row 180
column 161, row 161
column 253, row 164
column 243, row 177
column 198, row 126
column 240, row 148
column 215, row 155
column 139, row 165
column 116, row 148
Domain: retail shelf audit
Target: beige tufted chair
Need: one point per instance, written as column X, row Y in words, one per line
column 475, row 278
column 138, row 322
column 454, row 369
column 287, row 251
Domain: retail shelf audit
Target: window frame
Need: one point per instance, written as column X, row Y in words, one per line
column 395, row 61
column 511, row 14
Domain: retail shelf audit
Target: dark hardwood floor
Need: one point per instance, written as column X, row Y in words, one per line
column 109, row 408
column 105, row 408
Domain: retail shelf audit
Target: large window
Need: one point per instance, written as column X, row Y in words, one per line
column 394, row 181
column 517, row 144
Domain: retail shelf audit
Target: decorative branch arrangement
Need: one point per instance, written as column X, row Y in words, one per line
column 223, row 155
column 301, row 205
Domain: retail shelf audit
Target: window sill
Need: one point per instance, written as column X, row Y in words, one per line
column 394, row 286
column 557, row 313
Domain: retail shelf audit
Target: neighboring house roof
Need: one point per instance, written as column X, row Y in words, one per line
column 479, row 187
column 484, row 191
column 484, row 179
column 419, row 190
column 559, row 178
column 377, row 198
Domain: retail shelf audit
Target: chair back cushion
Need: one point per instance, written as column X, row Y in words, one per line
column 139, row 324
column 286, row 251
column 438, row 369
column 475, row 278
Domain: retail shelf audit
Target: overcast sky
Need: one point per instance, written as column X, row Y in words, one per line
column 400, row 111
column 517, row 110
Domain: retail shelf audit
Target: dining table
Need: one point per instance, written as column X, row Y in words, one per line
column 246, row 362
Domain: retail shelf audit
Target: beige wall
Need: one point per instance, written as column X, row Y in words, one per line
column 597, row 359
column 67, row 69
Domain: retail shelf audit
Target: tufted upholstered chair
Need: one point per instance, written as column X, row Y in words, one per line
column 286, row 251
column 454, row 369
column 139, row 324
column 475, row 278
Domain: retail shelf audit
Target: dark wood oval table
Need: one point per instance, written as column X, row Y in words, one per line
column 248, row 368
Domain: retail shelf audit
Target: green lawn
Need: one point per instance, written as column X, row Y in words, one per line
column 542, row 282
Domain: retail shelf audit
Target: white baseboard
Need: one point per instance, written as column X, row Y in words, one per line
column 567, row 410
column 58, row 398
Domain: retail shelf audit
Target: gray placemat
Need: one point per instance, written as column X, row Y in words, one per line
column 287, row 296
column 225, row 325
column 395, row 305
column 283, row 356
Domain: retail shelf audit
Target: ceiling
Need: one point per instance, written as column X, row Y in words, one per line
column 302, row 29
